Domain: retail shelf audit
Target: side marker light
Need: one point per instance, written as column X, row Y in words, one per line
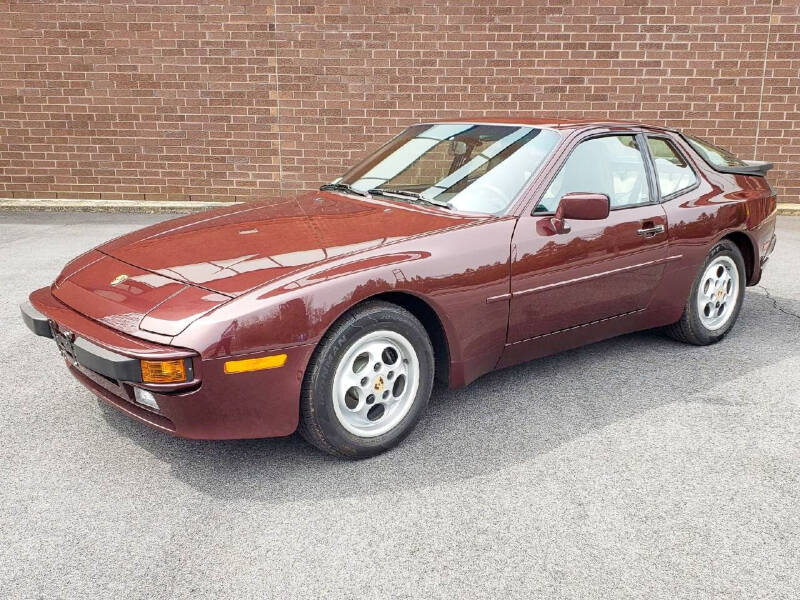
column 255, row 364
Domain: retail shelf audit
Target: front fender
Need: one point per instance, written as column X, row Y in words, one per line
column 453, row 273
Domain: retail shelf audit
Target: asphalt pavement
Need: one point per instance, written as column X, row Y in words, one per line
column 632, row 468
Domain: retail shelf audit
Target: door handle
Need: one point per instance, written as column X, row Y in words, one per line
column 650, row 231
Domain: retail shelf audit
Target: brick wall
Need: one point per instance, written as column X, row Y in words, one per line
column 181, row 99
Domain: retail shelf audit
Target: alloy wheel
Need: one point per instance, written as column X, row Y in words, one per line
column 718, row 293
column 375, row 383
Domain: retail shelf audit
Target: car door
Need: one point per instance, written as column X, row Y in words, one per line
column 597, row 269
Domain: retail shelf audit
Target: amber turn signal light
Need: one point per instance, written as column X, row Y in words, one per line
column 255, row 364
column 163, row 371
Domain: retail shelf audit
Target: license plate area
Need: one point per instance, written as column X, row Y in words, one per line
column 65, row 340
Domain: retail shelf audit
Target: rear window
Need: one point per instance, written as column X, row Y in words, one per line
column 714, row 155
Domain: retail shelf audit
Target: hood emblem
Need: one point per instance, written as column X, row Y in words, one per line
column 119, row 279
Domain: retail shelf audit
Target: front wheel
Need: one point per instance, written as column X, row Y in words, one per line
column 368, row 382
column 715, row 299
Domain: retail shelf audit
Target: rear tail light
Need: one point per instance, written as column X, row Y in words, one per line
column 163, row 371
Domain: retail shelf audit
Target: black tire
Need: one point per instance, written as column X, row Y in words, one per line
column 319, row 424
column 690, row 328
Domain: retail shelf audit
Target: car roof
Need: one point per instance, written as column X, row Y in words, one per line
column 549, row 122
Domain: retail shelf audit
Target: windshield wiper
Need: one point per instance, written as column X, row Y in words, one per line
column 343, row 187
column 409, row 194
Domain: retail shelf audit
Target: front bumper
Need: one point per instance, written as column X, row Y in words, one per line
column 81, row 351
column 213, row 405
column 36, row 321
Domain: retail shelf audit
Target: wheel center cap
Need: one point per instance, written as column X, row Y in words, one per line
column 379, row 384
column 720, row 294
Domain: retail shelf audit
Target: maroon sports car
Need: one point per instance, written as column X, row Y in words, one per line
column 457, row 248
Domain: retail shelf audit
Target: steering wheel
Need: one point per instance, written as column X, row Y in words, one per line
column 488, row 197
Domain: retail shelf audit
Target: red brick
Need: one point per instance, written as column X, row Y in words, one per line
column 214, row 100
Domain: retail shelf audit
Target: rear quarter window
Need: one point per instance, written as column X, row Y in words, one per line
column 672, row 171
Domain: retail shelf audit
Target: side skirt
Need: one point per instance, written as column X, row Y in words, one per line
column 573, row 337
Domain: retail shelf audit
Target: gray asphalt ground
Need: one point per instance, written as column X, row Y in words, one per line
column 632, row 468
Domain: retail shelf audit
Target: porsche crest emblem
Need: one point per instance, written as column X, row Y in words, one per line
column 379, row 384
column 119, row 279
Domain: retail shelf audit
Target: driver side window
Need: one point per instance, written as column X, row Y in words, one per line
column 611, row 165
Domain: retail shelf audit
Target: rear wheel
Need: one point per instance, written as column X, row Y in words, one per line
column 368, row 382
column 715, row 299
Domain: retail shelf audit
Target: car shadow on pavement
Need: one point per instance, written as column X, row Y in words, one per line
column 504, row 418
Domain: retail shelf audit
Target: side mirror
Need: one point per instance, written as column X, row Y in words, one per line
column 580, row 206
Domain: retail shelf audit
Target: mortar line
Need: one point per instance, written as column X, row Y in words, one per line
column 278, row 96
column 763, row 79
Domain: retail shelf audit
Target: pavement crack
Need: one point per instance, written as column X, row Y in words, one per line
column 785, row 311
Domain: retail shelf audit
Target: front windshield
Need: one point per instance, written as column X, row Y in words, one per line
column 478, row 168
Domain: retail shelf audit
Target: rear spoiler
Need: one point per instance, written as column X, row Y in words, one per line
column 752, row 167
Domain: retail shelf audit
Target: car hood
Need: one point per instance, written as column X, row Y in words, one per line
column 130, row 299
column 160, row 279
column 234, row 250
